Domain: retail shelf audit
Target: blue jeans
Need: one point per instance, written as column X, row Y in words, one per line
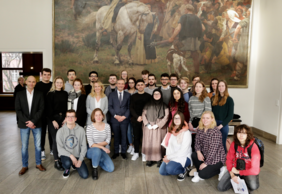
column 129, row 133
column 37, row 144
column 224, row 131
column 82, row 170
column 173, row 168
column 100, row 158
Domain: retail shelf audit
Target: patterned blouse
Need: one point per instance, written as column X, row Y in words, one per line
column 210, row 144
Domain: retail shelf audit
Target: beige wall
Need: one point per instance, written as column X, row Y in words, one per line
column 267, row 115
column 26, row 25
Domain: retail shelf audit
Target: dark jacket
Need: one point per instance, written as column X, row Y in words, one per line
column 115, row 108
column 22, row 110
column 81, row 113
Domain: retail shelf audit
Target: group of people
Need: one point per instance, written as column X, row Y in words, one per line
column 174, row 126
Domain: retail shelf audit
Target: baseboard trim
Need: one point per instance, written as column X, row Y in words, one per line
column 264, row 134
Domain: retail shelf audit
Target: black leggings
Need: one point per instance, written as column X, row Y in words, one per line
column 43, row 134
column 53, row 132
column 209, row 171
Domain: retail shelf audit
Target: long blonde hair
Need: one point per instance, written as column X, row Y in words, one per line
column 93, row 94
column 212, row 125
column 53, row 88
column 217, row 95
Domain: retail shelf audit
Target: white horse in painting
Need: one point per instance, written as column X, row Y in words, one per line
column 131, row 17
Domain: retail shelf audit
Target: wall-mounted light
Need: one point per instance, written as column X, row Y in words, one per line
column 31, row 67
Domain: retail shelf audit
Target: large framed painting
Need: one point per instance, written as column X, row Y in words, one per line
column 210, row 38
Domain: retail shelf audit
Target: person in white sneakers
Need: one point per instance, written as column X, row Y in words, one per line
column 178, row 148
column 137, row 104
column 209, row 156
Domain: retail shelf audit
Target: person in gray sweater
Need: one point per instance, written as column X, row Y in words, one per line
column 71, row 144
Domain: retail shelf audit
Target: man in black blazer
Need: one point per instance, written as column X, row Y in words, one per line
column 119, row 108
column 29, row 107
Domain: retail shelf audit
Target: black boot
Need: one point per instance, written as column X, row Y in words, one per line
column 159, row 163
column 58, row 165
column 95, row 173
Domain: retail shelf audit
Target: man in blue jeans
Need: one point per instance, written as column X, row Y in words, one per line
column 29, row 105
column 71, row 144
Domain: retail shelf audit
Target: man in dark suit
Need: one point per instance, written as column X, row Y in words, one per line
column 29, row 107
column 119, row 108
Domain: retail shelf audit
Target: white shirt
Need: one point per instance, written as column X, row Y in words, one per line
column 179, row 152
column 75, row 101
column 97, row 104
column 118, row 93
column 29, row 99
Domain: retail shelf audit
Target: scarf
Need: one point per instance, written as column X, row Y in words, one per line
column 155, row 108
column 179, row 138
column 72, row 96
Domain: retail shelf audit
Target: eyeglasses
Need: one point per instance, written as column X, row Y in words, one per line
column 70, row 117
column 173, row 79
column 93, row 76
column 164, row 79
column 157, row 94
column 177, row 118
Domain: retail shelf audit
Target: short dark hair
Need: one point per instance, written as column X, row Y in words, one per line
column 140, row 80
column 111, row 75
column 151, row 74
column 46, row 70
column 71, row 70
column 144, row 72
column 195, row 77
column 174, row 75
column 164, row 75
column 71, row 111
column 93, row 72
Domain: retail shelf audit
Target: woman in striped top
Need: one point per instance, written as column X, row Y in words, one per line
column 99, row 136
column 198, row 103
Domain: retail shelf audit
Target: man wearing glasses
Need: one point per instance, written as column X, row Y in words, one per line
column 93, row 78
column 173, row 81
column 71, row 144
column 165, row 88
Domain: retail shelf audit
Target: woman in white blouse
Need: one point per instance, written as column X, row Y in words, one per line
column 99, row 136
column 178, row 148
column 96, row 99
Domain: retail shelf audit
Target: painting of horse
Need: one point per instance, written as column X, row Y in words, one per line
column 210, row 38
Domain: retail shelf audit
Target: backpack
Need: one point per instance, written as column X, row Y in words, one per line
column 261, row 150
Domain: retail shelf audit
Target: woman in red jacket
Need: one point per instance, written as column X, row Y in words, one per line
column 239, row 163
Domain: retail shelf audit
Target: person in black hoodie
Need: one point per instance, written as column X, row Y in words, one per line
column 57, row 100
column 77, row 101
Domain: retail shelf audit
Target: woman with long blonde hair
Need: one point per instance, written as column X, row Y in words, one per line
column 96, row 99
column 223, row 109
column 209, row 155
column 57, row 100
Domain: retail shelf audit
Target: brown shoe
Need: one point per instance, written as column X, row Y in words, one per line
column 23, row 170
column 40, row 167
